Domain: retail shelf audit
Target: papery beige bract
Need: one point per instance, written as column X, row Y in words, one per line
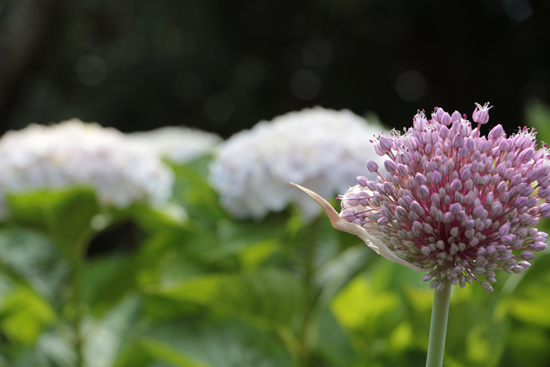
column 370, row 235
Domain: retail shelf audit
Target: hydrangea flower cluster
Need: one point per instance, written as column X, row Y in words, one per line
column 178, row 144
column 76, row 153
column 453, row 203
column 315, row 147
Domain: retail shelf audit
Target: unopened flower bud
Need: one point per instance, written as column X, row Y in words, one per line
column 481, row 113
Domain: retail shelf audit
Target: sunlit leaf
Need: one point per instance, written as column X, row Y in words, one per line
column 24, row 315
column 538, row 116
column 337, row 272
column 253, row 256
column 358, row 305
column 270, row 296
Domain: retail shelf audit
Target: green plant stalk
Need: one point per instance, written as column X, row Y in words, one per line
column 77, row 309
column 438, row 327
column 309, row 295
column 78, row 254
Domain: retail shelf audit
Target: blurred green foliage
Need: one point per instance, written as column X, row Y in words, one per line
column 204, row 290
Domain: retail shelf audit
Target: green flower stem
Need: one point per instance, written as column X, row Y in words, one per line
column 309, row 294
column 77, row 310
column 79, row 251
column 438, row 327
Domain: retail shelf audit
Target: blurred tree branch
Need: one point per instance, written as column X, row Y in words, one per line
column 24, row 36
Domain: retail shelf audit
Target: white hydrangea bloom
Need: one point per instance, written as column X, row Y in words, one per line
column 319, row 148
column 176, row 143
column 77, row 153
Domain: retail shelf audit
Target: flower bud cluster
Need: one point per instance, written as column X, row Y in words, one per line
column 177, row 144
column 75, row 153
column 316, row 147
column 454, row 203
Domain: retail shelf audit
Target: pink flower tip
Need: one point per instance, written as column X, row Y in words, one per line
column 481, row 113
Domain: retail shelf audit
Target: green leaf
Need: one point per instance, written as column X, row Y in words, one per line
column 528, row 343
column 332, row 342
column 360, row 305
column 107, row 280
column 269, row 296
column 253, row 256
column 64, row 214
column 195, row 194
column 339, row 271
column 236, row 236
column 538, row 116
column 105, row 336
column 212, row 342
column 31, row 258
column 24, row 315
column 151, row 219
column 164, row 353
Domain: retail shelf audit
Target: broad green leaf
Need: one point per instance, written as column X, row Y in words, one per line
column 134, row 354
column 165, row 353
column 24, row 315
column 527, row 345
column 338, row 271
column 533, row 310
column 104, row 337
column 151, row 219
column 105, row 281
column 218, row 342
column 478, row 347
column 360, row 305
column 332, row 342
column 64, row 214
column 195, row 194
column 401, row 337
column 235, row 236
column 253, row 256
column 269, row 296
column 169, row 257
column 31, row 258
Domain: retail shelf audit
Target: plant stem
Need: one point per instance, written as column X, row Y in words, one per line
column 438, row 327
column 309, row 272
column 78, row 254
column 77, row 318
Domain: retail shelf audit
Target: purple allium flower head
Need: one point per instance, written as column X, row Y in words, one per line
column 457, row 205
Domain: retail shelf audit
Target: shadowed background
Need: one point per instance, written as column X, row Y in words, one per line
column 223, row 66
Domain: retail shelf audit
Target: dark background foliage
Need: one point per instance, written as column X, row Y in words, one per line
column 224, row 65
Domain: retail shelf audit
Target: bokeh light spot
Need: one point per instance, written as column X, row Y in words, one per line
column 317, row 51
column 91, row 69
column 410, row 85
column 306, row 84
column 219, row 107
